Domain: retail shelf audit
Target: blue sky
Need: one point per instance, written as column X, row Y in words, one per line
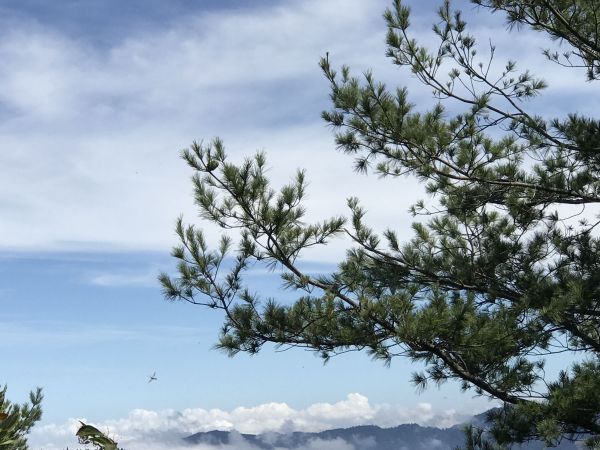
column 96, row 100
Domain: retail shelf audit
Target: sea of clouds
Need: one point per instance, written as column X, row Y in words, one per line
column 144, row 429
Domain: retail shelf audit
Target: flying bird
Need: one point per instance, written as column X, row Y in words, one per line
column 152, row 378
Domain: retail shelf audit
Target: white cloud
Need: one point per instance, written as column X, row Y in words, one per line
column 90, row 136
column 124, row 278
column 156, row 429
column 94, row 133
column 55, row 334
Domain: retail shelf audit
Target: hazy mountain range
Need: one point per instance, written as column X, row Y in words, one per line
column 367, row 437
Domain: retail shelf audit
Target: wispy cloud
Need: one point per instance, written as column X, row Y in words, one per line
column 99, row 128
column 159, row 429
column 238, row 443
column 53, row 334
column 124, row 278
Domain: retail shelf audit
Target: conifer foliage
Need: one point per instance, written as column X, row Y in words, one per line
column 16, row 420
column 503, row 270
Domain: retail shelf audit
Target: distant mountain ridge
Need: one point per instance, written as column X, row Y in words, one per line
column 365, row 437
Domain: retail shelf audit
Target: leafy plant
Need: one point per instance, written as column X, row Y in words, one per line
column 87, row 434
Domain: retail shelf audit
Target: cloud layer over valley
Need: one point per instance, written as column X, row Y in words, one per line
column 150, row 430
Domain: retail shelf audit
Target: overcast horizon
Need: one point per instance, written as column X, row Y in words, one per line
column 97, row 101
